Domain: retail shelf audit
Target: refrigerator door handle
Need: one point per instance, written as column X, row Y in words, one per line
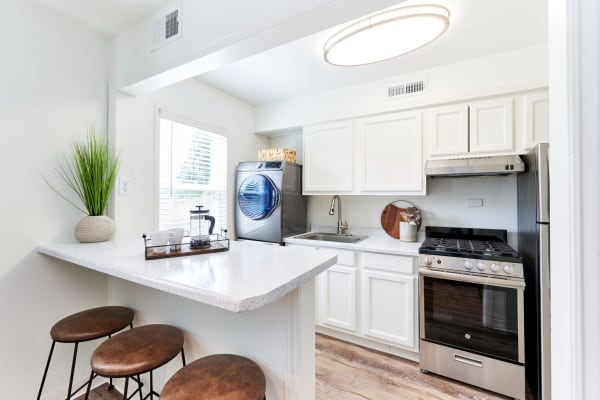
column 544, row 258
column 541, row 155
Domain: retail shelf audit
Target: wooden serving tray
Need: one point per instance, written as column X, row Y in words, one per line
column 393, row 214
column 184, row 249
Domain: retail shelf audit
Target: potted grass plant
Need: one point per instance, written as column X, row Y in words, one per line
column 90, row 172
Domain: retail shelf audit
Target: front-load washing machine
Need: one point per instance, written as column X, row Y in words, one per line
column 269, row 201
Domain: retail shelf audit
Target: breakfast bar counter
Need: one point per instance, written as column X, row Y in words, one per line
column 248, row 276
column 255, row 300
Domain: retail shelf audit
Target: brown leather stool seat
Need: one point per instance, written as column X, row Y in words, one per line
column 217, row 377
column 83, row 326
column 137, row 351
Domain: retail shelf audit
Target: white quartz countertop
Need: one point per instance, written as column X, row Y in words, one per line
column 248, row 276
column 376, row 243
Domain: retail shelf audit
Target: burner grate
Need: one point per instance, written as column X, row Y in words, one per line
column 463, row 247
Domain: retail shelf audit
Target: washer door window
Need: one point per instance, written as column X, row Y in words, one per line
column 258, row 197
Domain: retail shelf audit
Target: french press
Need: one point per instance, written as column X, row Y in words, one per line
column 201, row 227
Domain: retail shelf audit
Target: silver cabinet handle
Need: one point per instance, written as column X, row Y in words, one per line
column 466, row 360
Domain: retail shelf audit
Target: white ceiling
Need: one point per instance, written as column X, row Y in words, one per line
column 477, row 28
column 107, row 17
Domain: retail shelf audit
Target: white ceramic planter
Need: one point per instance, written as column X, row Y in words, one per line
column 92, row 229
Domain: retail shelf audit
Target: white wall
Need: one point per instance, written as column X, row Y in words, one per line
column 135, row 138
column 521, row 69
column 574, row 197
column 54, row 80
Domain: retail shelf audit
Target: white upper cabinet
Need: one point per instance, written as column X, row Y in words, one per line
column 450, row 130
column 491, row 126
column 384, row 154
column 389, row 153
column 328, row 158
column 477, row 127
column 373, row 155
column 536, row 119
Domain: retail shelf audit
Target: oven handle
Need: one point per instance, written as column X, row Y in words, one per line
column 484, row 280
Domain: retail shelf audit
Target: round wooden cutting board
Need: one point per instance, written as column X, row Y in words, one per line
column 393, row 214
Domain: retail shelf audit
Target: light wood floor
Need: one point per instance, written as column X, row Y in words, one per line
column 349, row 372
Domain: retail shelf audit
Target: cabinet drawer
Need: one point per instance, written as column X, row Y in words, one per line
column 345, row 257
column 386, row 262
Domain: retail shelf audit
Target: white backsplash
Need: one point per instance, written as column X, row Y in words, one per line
column 445, row 205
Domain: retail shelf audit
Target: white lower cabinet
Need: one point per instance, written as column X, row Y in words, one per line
column 336, row 294
column 370, row 299
column 388, row 307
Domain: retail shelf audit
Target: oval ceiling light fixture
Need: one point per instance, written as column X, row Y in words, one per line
column 386, row 35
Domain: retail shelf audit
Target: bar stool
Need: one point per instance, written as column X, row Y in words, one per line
column 217, row 377
column 84, row 326
column 137, row 351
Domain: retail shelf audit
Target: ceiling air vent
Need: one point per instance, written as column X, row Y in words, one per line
column 406, row 89
column 166, row 25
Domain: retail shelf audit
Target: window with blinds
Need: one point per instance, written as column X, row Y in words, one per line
column 193, row 171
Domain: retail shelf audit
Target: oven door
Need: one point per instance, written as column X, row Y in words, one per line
column 472, row 313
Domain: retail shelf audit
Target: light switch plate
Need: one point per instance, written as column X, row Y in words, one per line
column 474, row 202
column 124, row 185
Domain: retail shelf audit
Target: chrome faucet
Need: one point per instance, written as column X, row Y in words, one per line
column 341, row 226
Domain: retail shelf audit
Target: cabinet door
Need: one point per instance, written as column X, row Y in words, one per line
column 491, row 126
column 449, row 133
column 388, row 307
column 337, row 297
column 536, row 119
column 328, row 158
column 389, row 153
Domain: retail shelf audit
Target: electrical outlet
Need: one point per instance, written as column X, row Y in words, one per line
column 124, row 185
column 474, row 202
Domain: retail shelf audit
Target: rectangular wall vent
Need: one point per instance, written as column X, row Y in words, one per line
column 172, row 24
column 166, row 25
column 406, row 89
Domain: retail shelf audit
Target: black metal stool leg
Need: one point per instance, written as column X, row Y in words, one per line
column 151, row 386
column 72, row 371
column 126, row 387
column 110, row 383
column 182, row 357
column 89, row 386
column 46, row 370
column 140, row 386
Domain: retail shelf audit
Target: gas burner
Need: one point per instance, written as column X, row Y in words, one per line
column 482, row 244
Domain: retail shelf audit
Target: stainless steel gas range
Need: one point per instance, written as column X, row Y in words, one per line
column 471, row 308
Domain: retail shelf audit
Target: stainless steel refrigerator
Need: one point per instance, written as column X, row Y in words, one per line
column 534, row 247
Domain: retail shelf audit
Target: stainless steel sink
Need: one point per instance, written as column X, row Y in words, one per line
column 332, row 237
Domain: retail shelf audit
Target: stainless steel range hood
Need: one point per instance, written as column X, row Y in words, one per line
column 494, row 165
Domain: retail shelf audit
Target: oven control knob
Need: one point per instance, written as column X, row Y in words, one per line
column 494, row 268
column 508, row 269
column 428, row 260
column 468, row 265
column 481, row 266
